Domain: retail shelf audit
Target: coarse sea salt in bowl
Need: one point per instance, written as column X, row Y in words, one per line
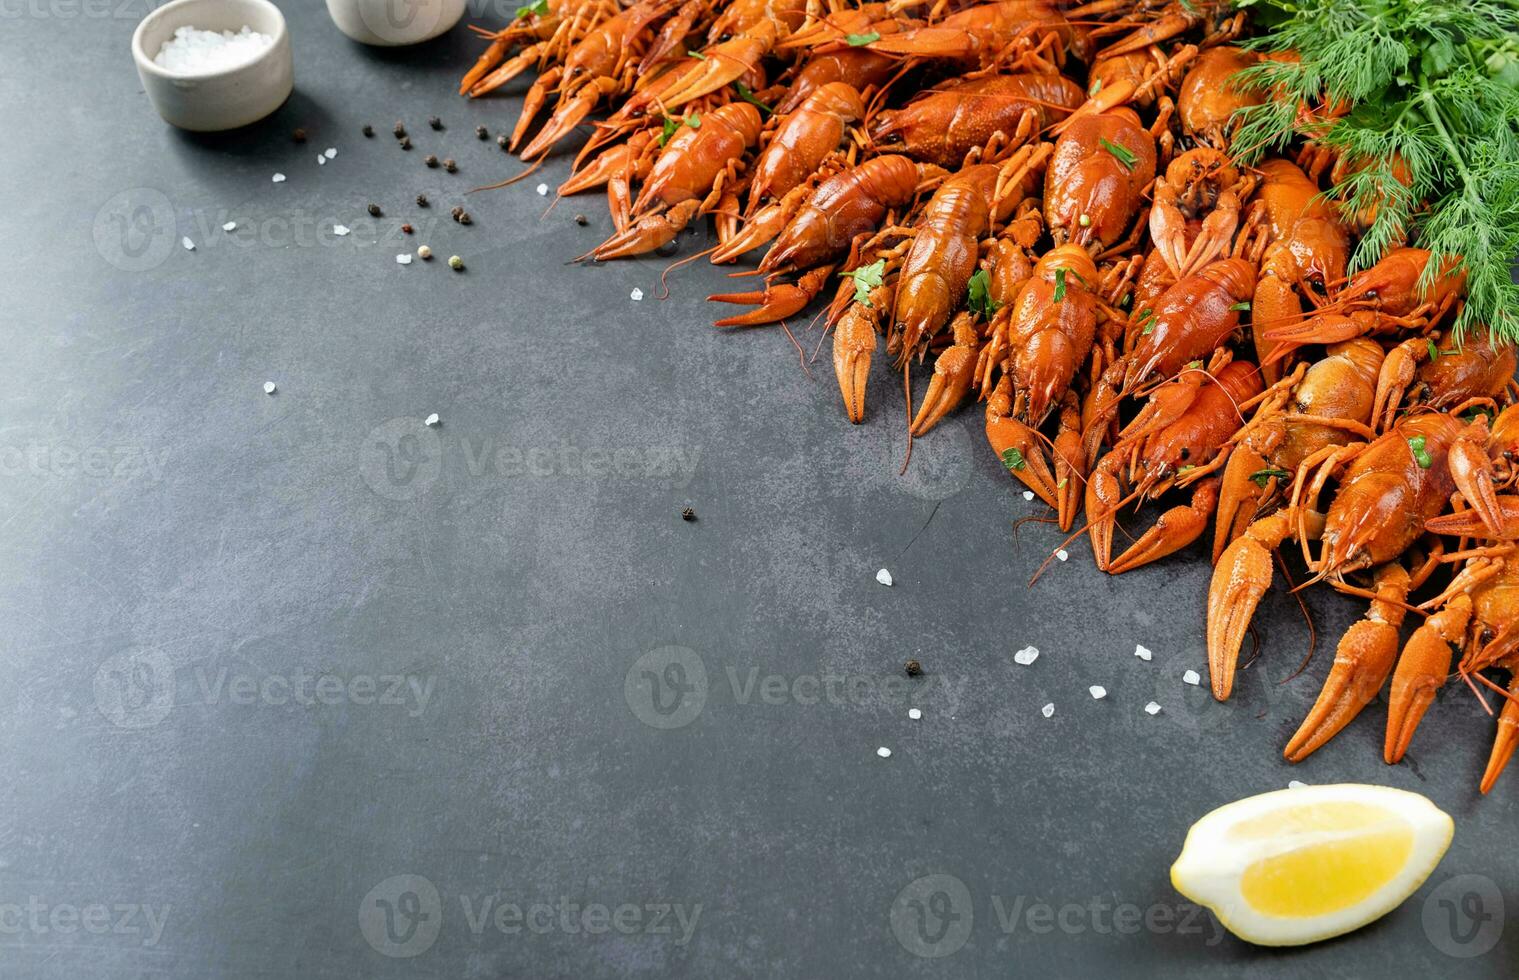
column 208, row 83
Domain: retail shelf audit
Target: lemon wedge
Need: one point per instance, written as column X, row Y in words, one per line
column 1300, row 865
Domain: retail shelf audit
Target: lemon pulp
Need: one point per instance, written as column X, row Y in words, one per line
column 1368, row 845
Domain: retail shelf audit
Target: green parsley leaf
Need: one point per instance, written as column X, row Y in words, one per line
column 1242, row 307
column 866, row 278
column 1096, row 87
column 1434, row 352
column 670, row 126
column 694, row 120
column 1013, row 459
column 860, row 40
column 695, row 54
column 745, row 94
column 1146, row 322
column 978, row 298
column 1123, row 154
column 1262, row 477
column 538, row 8
column 1421, row 456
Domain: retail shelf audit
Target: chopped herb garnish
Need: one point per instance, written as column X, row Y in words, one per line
column 1013, row 459
column 695, row 54
column 748, row 96
column 670, row 126
column 860, row 40
column 1434, row 352
column 1059, row 285
column 866, row 278
column 1261, row 477
column 1146, row 322
column 1122, row 154
column 1421, row 456
column 694, row 120
column 1241, row 307
column 538, row 8
column 1096, row 87
column 978, row 297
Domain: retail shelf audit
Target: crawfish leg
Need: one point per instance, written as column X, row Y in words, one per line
column 1177, row 528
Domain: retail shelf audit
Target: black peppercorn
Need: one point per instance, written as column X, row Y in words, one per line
column 435, row 122
column 406, row 229
column 406, row 142
column 400, row 129
column 299, row 136
column 482, row 133
column 374, row 211
column 914, row 668
column 430, row 160
column 580, row 219
column 688, row 515
column 421, row 200
column 368, row 131
column 450, row 166
column 502, row 141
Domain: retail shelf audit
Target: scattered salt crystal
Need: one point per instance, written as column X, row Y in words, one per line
column 914, row 714
column 636, row 295
column 278, row 178
column 320, row 159
column 404, row 258
column 543, row 190
column 883, row 752
column 1063, row 555
column 1152, row 708
column 195, row 52
column 1028, row 495
column 884, row 577
column 269, row 387
column 1192, row 677
column 330, row 152
column 1294, row 784
column 431, row 419
column 1048, row 710
column 1026, row 656
column 189, row 245
column 1098, row 692
column 340, row 230
column 1142, row 652
column 230, row 226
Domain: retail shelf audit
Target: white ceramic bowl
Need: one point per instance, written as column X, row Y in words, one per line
column 394, row 22
column 222, row 99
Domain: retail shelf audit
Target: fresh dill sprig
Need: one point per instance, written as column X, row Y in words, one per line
column 1430, row 140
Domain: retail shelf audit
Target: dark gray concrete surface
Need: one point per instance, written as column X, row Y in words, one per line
column 183, row 557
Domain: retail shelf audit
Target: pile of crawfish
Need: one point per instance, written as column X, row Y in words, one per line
column 1041, row 197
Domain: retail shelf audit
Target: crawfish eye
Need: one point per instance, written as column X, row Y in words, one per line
column 1185, row 452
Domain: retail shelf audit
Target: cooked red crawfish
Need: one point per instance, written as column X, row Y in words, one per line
column 1179, row 439
column 602, row 63
column 1012, row 33
column 1176, row 19
column 856, row 67
column 547, row 36
column 835, row 218
column 1477, row 616
column 942, row 125
column 1388, row 490
column 1386, row 296
column 1318, row 406
column 1096, row 178
column 802, row 140
column 944, row 244
column 1308, row 248
column 1443, row 372
column 1203, row 185
column 688, row 178
column 1188, row 321
column 1049, row 329
column 1209, row 96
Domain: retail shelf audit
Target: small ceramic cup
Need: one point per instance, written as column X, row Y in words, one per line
column 391, row 23
column 224, row 99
